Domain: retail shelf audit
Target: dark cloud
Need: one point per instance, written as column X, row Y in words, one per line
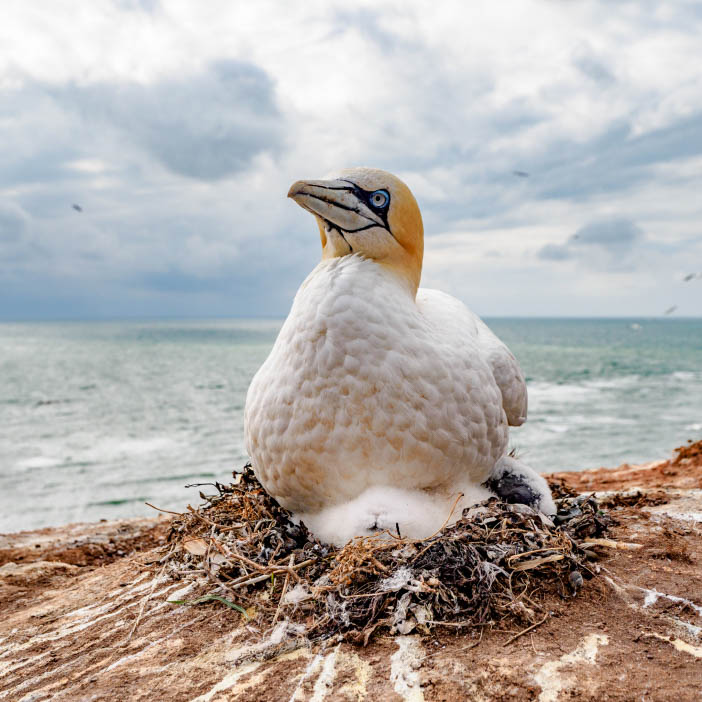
column 587, row 62
column 13, row 222
column 613, row 234
column 206, row 126
column 614, row 161
column 178, row 280
column 554, row 252
column 370, row 24
column 149, row 6
column 17, row 245
column 605, row 243
column 609, row 165
column 251, row 287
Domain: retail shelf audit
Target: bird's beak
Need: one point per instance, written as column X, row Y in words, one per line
column 336, row 202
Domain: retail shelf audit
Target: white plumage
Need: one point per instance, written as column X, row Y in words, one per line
column 379, row 404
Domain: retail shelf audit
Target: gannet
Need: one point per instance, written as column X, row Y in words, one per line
column 382, row 406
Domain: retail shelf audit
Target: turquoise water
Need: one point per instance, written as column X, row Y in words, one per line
column 98, row 417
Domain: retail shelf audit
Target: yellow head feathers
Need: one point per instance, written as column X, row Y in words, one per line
column 370, row 212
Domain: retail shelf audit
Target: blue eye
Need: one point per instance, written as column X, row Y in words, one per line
column 380, row 198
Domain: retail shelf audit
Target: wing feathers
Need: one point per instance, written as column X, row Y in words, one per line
column 507, row 373
column 448, row 312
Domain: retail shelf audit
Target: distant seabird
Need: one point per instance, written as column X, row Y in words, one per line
column 670, row 310
column 521, row 174
column 381, row 406
column 77, row 208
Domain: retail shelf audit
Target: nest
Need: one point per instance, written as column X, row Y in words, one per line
column 498, row 560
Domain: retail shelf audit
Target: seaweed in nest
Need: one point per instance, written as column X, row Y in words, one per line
column 497, row 561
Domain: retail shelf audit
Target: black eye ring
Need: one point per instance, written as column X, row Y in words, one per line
column 379, row 199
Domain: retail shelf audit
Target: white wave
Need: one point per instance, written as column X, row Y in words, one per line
column 687, row 375
column 38, row 462
column 118, row 447
column 602, row 420
column 622, row 381
column 557, row 428
column 552, row 392
column 85, row 447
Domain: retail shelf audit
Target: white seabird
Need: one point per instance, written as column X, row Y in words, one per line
column 381, row 403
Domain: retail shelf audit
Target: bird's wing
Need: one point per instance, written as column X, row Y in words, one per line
column 507, row 373
column 449, row 312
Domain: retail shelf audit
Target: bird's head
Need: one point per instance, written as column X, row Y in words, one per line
column 370, row 212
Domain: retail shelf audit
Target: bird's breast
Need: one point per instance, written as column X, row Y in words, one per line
column 360, row 389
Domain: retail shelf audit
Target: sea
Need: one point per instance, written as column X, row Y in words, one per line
column 99, row 418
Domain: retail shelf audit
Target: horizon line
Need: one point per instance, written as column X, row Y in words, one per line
column 191, row 318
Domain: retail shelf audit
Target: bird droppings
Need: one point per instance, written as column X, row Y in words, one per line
column 550, row 677
column 681, row 645
column 325, row 681
column 404, row 670
column 652, row 596
column 691, row 516
column 497, row 562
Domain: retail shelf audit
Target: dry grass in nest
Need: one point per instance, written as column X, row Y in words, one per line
column 499, row 560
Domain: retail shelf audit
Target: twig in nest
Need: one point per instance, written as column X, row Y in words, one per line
column 273, row 571
column 218, row 546
column 167, row 511
column 609, row 543
column 252, row 564
column 536, row 562
column 446, row 521
column 197, row 514
column 529, row 553
column 457, row 625
column 526, row 631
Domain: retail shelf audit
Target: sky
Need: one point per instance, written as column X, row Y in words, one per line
column 555, row 149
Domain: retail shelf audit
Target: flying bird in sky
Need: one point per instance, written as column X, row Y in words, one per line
column 521, row 174
column 691, row 276
column 77, row 208
column 381, row 404
column 670, row 310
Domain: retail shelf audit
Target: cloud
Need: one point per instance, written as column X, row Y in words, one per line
column 139, row 5
column 605, row 244
column 617, row 234
column 590, row 65
column 179, row 136
column 17, row 243
column 206, row 126
column 554, row 252
column 13, row 223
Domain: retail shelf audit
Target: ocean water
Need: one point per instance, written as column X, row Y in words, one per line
column 97, row 418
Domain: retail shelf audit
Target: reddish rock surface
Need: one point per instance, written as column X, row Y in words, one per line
column 86, row 617
column 684, row 470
